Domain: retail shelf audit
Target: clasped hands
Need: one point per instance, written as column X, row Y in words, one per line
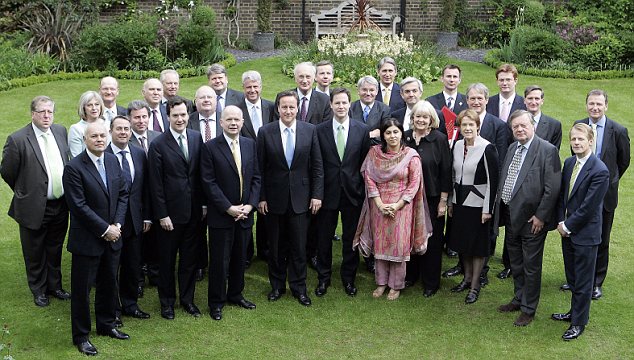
column 239, row 212
column 389, row 209
column 113, row 233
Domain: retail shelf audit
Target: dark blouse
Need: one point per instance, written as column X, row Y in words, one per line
column 435, row 159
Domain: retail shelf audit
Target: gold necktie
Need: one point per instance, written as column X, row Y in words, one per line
column 594, row 132
column 573, row 177
column 386, row 96
column 235, row 150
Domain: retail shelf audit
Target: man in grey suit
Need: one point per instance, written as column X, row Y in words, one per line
column 367, row 109
column 33, row 162
column 526, row 199
column 217, row 78
column 546, row 127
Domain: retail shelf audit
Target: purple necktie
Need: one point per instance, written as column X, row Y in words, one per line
column 304, row 110
column 156, row 124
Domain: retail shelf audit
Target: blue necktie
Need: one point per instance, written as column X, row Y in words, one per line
column 125, row 168
column 366, row 112
column 102, row 172
column 290, row 147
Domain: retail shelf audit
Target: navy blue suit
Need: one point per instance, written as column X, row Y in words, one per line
column 498, row 134
column 176, row 192
column 228, row 238
column 164, row 117
column 93, row 208
column 493, row 106
column 581, row 212
column 396, row 100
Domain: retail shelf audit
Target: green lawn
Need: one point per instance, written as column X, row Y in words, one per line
column 336, row 326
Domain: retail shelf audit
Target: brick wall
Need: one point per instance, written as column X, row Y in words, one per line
column 421, row 16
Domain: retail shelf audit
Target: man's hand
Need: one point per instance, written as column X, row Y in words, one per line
column 315, row 205
column 147, row 225
column 562, row 232
column 113, row 233
column 263, row 207
column 538, row 225
column 166, row 223
column 486, row 217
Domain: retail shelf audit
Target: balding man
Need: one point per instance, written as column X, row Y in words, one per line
column 109, row 90
column 153, row 93
column 411, row 92
column 171, row 84
column 204, row 119
column 314, row 107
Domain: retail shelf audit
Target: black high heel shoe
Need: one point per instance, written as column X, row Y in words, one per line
column 461, row 287
column 472, row 296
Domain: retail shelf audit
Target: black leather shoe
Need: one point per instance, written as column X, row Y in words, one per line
column 312, row 262
column 114, row 333
column 137, row 314
column 472, row 296
column 275, row 295
column 191, row 309
column 504, row 274
column 336, row 238
column 167, row 312
column 41, row 300
column 484, row 279
column 321, row 289
column 60, row 294
column 429, row 292
column 139, row 292
column 565, row 287
column 87, row 348
column 200, row 274
column 245, row 304
column 561, row 317
column 573, row 332
column 216, row 313
column 450, row 253
column 597, row 292
column 303, row 299
column 350, row 289
column 461, row 287
column 118, row 322
column 456, row 270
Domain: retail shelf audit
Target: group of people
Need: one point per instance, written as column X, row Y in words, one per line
column 169, row 179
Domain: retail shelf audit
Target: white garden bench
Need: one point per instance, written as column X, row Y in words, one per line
column 339, row 20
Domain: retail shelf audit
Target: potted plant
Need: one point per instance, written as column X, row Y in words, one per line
column 264, row 39
column 447, row 38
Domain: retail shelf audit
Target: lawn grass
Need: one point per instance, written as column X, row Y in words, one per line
column 337, row 326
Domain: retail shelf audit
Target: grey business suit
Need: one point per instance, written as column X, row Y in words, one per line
column 378, row 114
column 549, row 129
column 535, row 192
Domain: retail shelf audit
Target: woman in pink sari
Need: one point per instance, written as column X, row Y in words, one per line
column 394, row 220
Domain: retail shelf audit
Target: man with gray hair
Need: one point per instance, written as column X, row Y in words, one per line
column 171, row 84
column 314, row 107
column 217, row 77
column 153, row 93
column 411, row 92
column 367, row 109
column 109, row 90
column 389, row 91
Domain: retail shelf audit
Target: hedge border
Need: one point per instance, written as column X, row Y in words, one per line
column 6, row 85
column 491, row 58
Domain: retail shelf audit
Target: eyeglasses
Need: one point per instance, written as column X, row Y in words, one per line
column 41, row 112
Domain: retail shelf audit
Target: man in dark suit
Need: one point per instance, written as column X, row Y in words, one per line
column 367, row 110
column 344, row 143
column 97, row 196
column 547, row 128
column 389, row 91
column 257, row 112
column 177, row 202
column 411, row 92
column 133, row 163
column 507, row 101
column 153, row 93
column 325, row 73
column 217, row 77
column 526, row 200
column 33, row 162
column 449, row 97
column 231, row 181
column 314, row 107
column 584, row 187
column 612, row 146
column 292, row 184
column 109, row 90
column 171, row 84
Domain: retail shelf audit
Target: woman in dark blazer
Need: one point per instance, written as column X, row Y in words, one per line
column 433, row 148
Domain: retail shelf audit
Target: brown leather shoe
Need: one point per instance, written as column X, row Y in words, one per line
column 524, row 319
column 510, row 307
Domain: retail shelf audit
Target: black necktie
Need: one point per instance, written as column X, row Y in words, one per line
column 125, row 168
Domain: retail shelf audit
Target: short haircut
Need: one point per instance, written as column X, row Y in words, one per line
column 368, row 79
column 109, row 78
column 531, row 88
column 40, row 100
column 99, row 123
column 231, row 107
column 598, row 92
column 302, row 64
column 174, row 101
column 118, row 117
column 468, row 114
column 286, row 93
column 387, row 124
column 452, row 67
column 251, row 75
column 215, row 69
column 85, row 98
column 147, row 81
column 507, row 68
column 326, row 63
column 138, row 105
column 408, row 80
column 479, row 88
column 166, row 72
column 386, row 60
column 519, row 113
column 339, row 90
column 426, row 108
column 584, row 128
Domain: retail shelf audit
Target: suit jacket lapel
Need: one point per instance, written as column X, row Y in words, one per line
column 277, row 142
column 95, row 174
column 585, row 170
column 61, row 144
column 248, row 123
column 226, row 151
column 32, row 139
column 332, row 142
column 529, row 159
column 607, row 135
column 171, row 142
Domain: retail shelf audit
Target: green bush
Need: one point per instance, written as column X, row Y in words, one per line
column 603, row 54
column 534, row 13
column 197, row 40
column 533, row 45
column 16, row 61
column 628, row 47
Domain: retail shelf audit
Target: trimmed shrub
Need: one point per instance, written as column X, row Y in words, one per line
column 16, row 61
column 603, row 54
column 534, row 13
column 196, row 40
column 533, row 45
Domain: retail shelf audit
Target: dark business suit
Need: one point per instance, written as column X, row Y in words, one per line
column 194, row 123
column 396, row 100
column 233, row 97
column 535, row 192
column 166, row 122
column 377, row 115
column 581, row 212
column 176, row 192
column 150, row 134
column 438, row 102
column 131, row 233
column 93, row 207
column 228, row 238
column 121, row 111
column 42, row 222
column 318, row 107
column 549, row 129
column 615, row 154
column 287, row 191
column 497, row 133
column 493, row 106
column 344, row 191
